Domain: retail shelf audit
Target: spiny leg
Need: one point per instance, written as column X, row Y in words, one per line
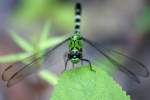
column 86, row 60
column 81, row 62
column 66, row 62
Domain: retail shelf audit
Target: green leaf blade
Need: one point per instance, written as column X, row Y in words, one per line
column 51, row 42
column 45, row 32
column 84, row 84
column 13, row 57
column 48, row 76
column 22, row 42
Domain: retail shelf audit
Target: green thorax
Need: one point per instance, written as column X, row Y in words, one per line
column 75, row 43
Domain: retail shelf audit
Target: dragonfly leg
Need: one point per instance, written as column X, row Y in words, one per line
column 66, row 62
column 86, row 60
column 65, row 56
column 81, row 62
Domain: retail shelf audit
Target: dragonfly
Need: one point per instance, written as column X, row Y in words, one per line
column 74, row 55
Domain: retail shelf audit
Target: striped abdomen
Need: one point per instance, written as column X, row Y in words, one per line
column 77, row 17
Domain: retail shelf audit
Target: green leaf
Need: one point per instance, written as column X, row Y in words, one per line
column 13, row 57
column 22, row 42
column 45, row 32
column 51, row 42
column 83, row 84
column 65, row 15
column 48, row 76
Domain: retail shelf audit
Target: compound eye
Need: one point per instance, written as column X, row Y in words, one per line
column 78, row 54
column 72, row 54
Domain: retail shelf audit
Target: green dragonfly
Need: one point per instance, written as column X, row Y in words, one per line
column 74, row 55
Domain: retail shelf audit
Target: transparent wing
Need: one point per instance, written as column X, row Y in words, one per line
column 18, row 66
column 19, row 70
column 132, row 69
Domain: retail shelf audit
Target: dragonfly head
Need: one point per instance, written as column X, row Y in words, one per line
column 75, row 56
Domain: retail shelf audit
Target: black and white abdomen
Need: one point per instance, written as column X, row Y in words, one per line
column 77, row 17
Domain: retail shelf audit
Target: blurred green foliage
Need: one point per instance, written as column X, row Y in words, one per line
column 49, row 77
column 33, row 11
column 143, row 21
column 28, row 48
column 44, row 42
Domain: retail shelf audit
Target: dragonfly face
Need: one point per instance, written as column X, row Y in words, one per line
column 75, row 48
column 75, row 56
